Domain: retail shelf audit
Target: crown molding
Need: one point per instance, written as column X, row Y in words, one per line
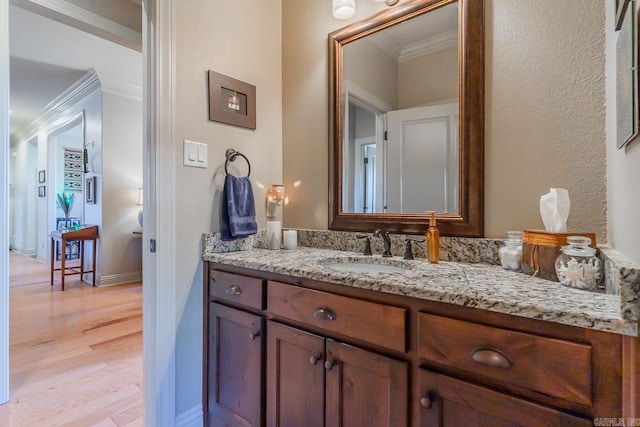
column 77, row 17
column 430, row 45
column 417, row 49
column 117, row 86
column 83, row 89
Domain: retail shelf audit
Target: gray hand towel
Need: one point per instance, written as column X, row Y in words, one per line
column 238, row 215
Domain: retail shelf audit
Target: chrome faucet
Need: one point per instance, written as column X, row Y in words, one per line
column 386, row 241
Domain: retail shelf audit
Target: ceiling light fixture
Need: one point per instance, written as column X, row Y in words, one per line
column 345, row 9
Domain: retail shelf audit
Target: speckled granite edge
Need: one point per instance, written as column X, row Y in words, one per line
column 622, row 277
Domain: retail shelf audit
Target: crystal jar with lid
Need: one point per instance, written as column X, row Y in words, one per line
column 578, row 266
column 510, row 253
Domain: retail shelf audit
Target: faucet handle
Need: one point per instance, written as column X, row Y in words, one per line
column 408, row 250
column 367, row 244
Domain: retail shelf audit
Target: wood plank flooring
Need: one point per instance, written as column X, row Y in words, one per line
column 75, row 356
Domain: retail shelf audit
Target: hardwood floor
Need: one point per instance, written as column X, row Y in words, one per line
column 75, row 356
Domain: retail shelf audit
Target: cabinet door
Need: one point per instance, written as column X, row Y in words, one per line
column 235, row 367
column 295, row 377
column 364, row 388
column 448, row 402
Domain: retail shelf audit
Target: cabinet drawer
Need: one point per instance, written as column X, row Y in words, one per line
column 449, row 401
column 379, row 324
column 550, row 366
column 236, row 288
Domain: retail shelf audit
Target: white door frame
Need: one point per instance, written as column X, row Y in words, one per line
column 4, row 201
column 158, row 273
column 159, row 320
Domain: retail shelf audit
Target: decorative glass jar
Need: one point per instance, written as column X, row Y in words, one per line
column 510, row 253
column 578, row 266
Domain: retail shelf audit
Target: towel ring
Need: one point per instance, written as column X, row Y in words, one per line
column 231, row 155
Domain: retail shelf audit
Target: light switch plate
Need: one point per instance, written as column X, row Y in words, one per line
column 195, row 154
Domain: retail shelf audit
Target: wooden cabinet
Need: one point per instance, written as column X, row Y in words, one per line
column 286, row 351
column 316, row 381
column 295, row 377
column 449, row 402
column 235, row 380
column 364, row 388
column 509, row 356
column 380, row 324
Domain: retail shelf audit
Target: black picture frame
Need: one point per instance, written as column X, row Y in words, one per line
column 621, row 10
column 627, row 84
column 42, row 176
column 231, row 101
column 90, row 190
column 42, row 191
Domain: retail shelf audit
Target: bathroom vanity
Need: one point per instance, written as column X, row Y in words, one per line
column 316, row 337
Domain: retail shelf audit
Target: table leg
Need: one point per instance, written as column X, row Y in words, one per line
column 63, row 270
column 95, row 255
column 81, row 249
column 53, row 245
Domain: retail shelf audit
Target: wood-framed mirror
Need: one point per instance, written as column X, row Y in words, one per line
column 407, row 119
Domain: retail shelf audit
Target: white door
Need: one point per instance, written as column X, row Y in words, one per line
column 422, row 159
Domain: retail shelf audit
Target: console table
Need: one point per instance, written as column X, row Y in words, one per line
column 83, row 233
column 72, row 251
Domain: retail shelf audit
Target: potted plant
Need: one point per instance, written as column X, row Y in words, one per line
column 65, row 201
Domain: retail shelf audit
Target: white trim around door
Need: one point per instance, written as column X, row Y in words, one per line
column 159, row 288
column 4, row 201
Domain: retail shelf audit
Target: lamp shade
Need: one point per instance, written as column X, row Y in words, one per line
column 344, row 9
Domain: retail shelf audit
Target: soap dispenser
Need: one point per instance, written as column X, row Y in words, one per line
column 433, row 240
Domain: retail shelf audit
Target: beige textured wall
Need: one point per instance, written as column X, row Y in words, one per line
column 241, row 40
column 434, row 77
column 544, row 124
column 305, row 107
column 623, row 173
column 365, row 57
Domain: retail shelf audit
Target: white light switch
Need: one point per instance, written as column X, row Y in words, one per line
column 195, row 154
column 202, row 153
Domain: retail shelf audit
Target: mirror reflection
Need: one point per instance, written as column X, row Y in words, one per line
column 400, row 151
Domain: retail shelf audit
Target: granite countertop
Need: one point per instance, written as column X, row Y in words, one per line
column 482, row 286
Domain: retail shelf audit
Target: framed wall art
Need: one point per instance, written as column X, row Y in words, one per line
column 621, row 11
column 42, row 176
column 42, row 191
column 231, row 101
column 627, row 109
column 90, row 190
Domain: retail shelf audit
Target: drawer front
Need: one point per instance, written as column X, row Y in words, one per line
column 237, row 289
column 448, row 401
column 546, row 365
column 379, row 324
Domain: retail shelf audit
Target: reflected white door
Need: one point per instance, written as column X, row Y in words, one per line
column 422, row 159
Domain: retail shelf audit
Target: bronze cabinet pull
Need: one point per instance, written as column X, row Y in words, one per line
column 324, row 313
column 233, row 290
column 491, row 357
column 427, row 401
column 315, row 358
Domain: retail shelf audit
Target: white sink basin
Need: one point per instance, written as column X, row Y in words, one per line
column 364, row 266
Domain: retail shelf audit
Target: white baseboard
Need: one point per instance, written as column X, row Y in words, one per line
column 119, row 279
column 24, row 251
column 191, row 418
